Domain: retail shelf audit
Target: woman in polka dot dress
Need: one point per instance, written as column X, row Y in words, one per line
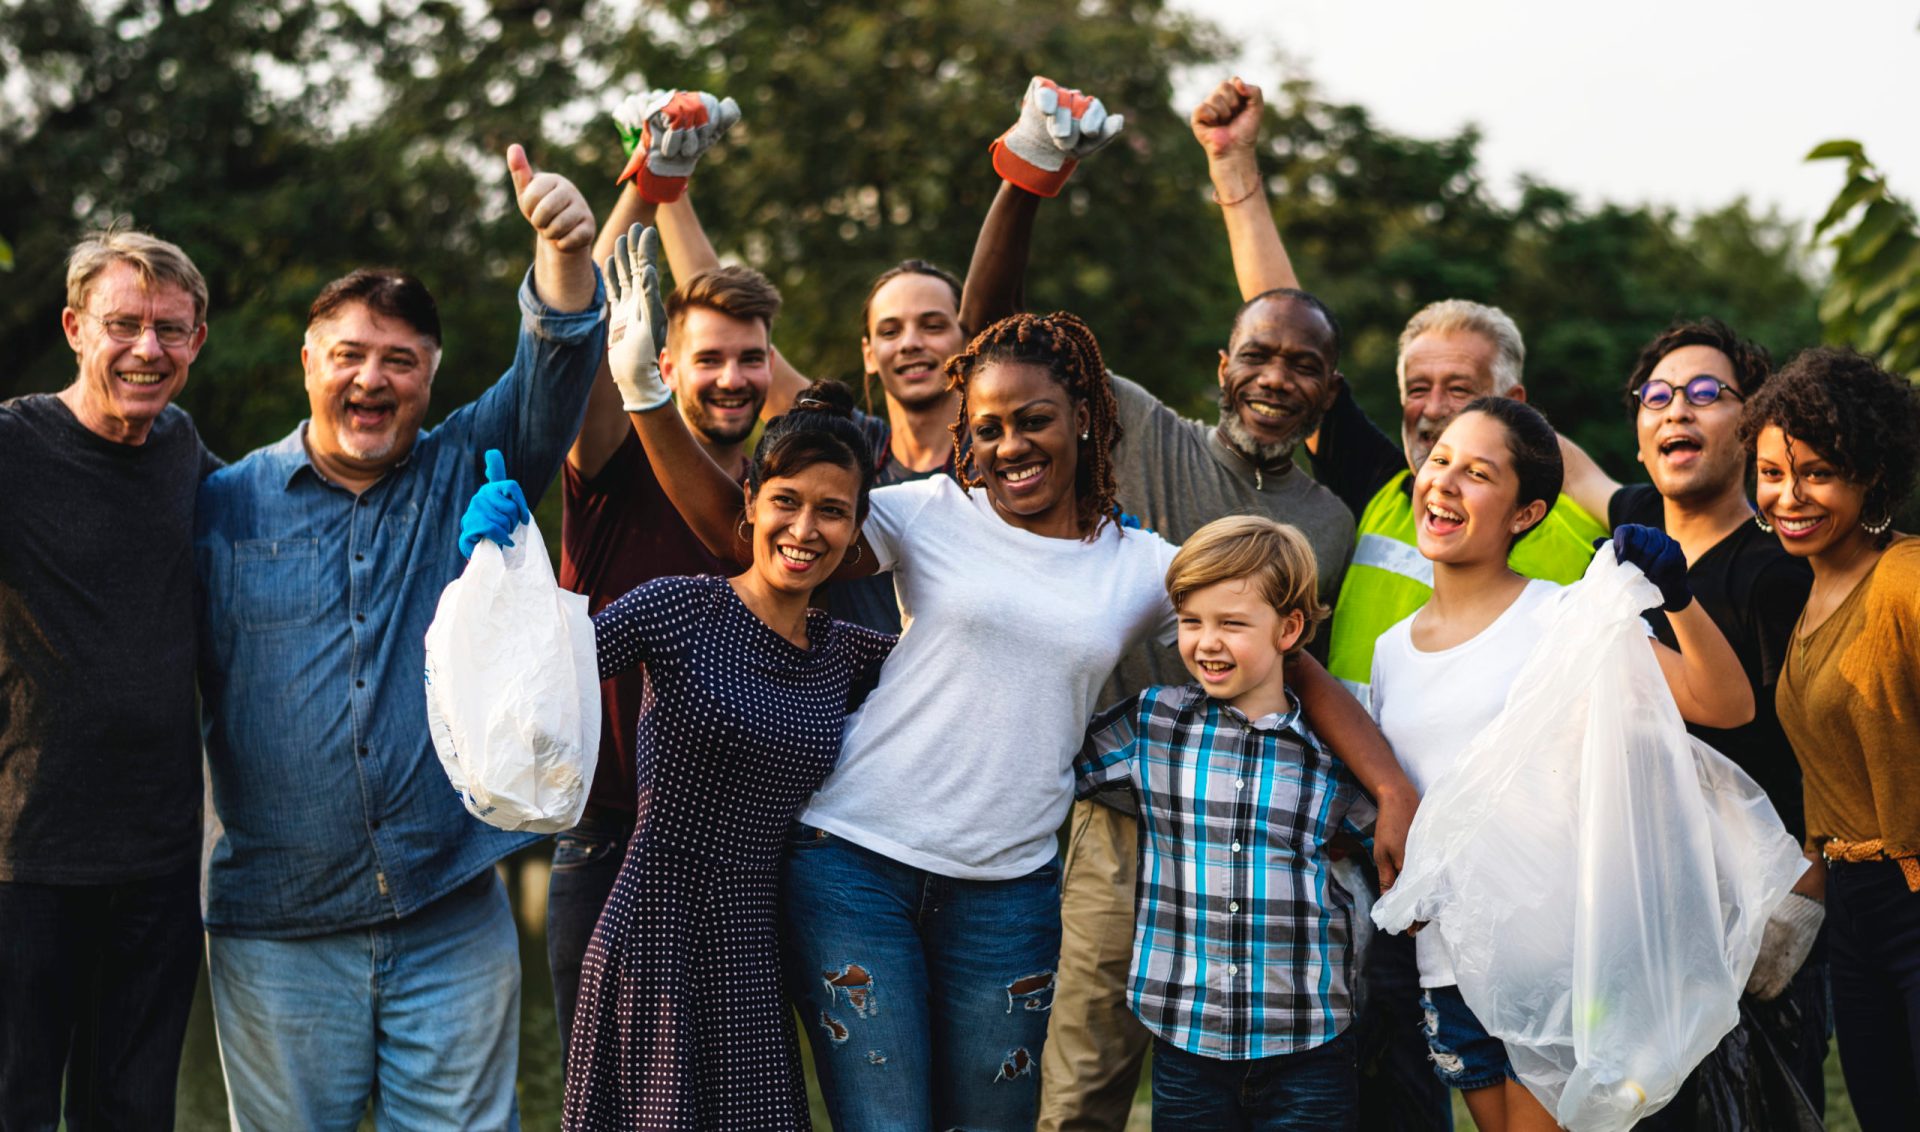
column 680, row 1022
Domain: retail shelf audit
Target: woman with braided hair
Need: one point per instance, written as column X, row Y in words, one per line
column 920, row 895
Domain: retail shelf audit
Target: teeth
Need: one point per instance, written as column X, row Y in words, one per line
column 1024, row 474
column 1440, row 512
column 795, row 554
column 143, row 378
column 1216, row 665
column 1796, row 525
column 1264, row 410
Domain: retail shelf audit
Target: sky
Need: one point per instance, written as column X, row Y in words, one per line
column 1683, row 102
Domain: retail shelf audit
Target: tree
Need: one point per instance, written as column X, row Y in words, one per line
column 1872, row 300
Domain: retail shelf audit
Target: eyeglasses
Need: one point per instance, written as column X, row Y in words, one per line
column 130, row 330
column 1703, row 389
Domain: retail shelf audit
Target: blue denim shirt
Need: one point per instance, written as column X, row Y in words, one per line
column 332, row 809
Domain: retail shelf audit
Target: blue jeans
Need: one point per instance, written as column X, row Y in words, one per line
column 586, row 862
column 1315, row 1090
column 96, row 982
column 422, row 1014
column 925, row 998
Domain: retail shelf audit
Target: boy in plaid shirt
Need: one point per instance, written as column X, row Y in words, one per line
column 1242, row 939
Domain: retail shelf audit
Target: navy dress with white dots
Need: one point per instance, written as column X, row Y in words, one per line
column 681, row 1022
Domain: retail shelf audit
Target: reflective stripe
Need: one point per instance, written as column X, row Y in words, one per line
column 1361, row 692
column 1384, row 552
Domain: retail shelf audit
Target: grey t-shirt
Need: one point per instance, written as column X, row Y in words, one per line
column 99, row 735
column 1177, row 475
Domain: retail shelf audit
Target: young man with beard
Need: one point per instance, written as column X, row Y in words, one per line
column 1277, row 375
column 359, row 941
column 99, row 751
column 1686, row 392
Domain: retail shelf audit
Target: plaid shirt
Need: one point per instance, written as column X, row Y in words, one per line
column 1241, row 939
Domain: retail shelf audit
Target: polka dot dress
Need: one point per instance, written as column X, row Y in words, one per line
column 680, row 1022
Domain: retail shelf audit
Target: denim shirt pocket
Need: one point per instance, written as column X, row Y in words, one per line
column 276, row 582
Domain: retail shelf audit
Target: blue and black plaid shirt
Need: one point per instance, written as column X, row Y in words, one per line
column 1242, row 939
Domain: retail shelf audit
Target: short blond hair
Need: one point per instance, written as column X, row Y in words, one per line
column 1491, row 323
column 1276, row 556
column 155, row 259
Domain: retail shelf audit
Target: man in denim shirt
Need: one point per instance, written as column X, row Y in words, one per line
column 359, row 941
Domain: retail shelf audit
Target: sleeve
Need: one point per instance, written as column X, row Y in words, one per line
column 1166, row 627
column 1137, row 404
column 1376, row 683
column 866, row 650
column 1106, row 758
column 1355, row 459
column 646, row 623
column 892, row 512
column 534, row 411
column 1636, row 503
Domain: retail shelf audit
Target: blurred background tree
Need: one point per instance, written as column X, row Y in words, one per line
column 284, row 143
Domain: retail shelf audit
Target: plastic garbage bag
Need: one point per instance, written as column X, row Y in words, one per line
column 1599, row 878
column 1746, row 1086
column 513, row 689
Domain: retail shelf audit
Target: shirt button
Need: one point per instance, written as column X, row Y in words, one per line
column 361, row 617
column 374, row 824
column 1232, row 905
column 363, row 683
column 359, row 558
column 1239, row 784
column 1233, row 968
column 363, row 752
column 1236, row 847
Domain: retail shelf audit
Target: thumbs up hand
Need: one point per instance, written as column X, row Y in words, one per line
column 552, row 205
column 495, row 510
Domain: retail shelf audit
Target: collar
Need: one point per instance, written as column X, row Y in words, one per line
column 1191, row 697
column 287, row 457
column 1235, row 461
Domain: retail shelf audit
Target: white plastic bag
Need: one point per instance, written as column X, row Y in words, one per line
column 513, row 689
column 1599, row 878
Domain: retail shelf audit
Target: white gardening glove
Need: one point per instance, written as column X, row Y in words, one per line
column 637, row 320
column 1784, row 945
column 664, row 133
column 1057, row 127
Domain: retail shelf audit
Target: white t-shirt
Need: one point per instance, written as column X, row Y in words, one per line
column 961, row 760
column 1430, row 705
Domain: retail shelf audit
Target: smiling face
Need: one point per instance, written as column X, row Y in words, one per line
column 1440, row 373
column 122, row 386
column 719, row 368
column 1025, row 429
column 1465, row 497
column 802, row 526
column 913, row 327
column 369, row 378
column 1233, row 642
column 1810, row 504
column 1277, row 378
column 1693, row 452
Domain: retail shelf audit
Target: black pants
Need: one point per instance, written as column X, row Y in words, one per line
column 96, row 982
column 1873, row 948
column 586, row 861
column 1398, row 1091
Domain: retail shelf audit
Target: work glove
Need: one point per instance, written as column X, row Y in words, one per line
column 1056, row 128
column 1659, row 558
column 497, row 508
column 664, row 133
column 637, row 330
column 1784, row 945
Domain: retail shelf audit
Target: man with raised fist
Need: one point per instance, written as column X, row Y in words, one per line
column 359, row 942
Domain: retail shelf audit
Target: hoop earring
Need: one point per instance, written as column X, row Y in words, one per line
column 740, row 529
column 1760, row 521
column 856, row 553
column 1880, row 528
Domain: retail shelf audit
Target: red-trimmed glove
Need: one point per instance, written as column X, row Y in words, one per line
column 1057, row 127
column 664, row 133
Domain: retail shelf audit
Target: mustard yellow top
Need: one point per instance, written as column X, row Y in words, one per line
column 1849, row 700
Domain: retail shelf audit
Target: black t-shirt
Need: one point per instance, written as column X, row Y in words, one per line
column 99, row 731
column 1355, row 459
column 1754, row 591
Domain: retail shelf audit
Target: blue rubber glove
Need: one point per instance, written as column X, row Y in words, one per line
column 1659, row 558
column 497, row 508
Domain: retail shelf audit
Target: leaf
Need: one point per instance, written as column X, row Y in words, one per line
column 1892, row 269
column 6, row 255
column 1828, row 150
column 1858, row 189
column 1882, row 220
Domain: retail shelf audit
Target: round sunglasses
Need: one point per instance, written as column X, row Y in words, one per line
column 1702, row 389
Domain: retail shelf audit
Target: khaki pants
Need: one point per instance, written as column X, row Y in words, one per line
column 1090, row 1066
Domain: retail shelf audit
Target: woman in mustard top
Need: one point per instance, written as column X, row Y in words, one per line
column 1836, row 441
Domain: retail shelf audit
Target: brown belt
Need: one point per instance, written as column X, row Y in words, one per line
column 1855, row 852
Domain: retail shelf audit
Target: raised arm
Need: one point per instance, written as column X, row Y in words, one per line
column 1586, row 483
column 1227, row 126
column 1345, row 726
column 1708, row 684
column 563, row 274
column 605, row 424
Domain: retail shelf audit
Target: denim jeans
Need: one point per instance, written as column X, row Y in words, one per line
column 925, row 998
column 1873, row 941
column 96, row 982
column 586, row 862
column 1315, row 1090
column 422, row 1014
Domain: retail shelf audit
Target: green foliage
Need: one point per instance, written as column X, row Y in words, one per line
column 285, row 143
column 1872, row 300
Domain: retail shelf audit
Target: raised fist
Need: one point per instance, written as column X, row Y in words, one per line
column 1229, row 118
column 664, row 133
column 1057, row 127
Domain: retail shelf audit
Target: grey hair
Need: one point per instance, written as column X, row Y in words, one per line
column 1491, row 323
column 155, row 259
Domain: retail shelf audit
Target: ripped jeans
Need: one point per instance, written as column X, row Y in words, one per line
column 925, row 998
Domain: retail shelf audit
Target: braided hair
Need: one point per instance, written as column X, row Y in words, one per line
column 1062, row 345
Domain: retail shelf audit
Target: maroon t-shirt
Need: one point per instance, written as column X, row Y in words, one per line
column 618, row 530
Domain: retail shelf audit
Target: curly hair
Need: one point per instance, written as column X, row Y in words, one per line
column 1863, row 419
column 1062, row 345
column 1750, row 360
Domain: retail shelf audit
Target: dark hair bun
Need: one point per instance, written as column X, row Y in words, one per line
column 825, row 397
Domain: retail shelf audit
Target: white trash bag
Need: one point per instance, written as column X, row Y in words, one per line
column 1599, row 878
column 513, row 688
